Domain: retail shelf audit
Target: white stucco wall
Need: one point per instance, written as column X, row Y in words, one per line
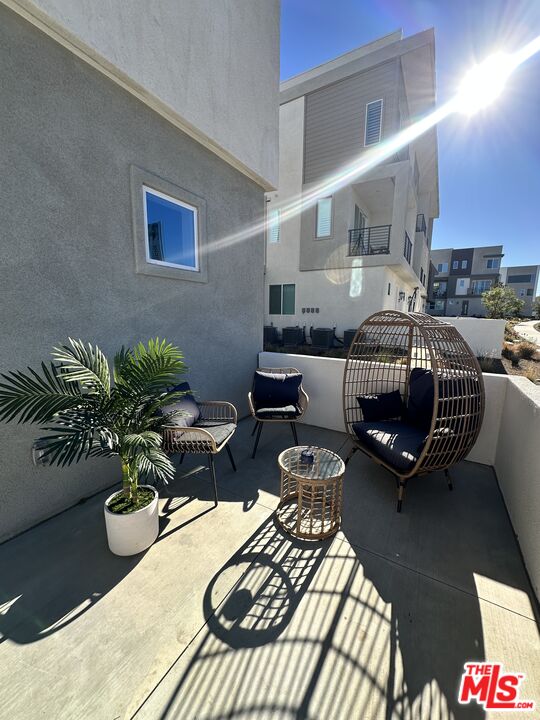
column 517, row 463
column 212, row 64
column 485, row 337
column 508, row 440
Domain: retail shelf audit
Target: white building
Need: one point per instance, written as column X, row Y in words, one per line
column 525, row 281
column 365, row 246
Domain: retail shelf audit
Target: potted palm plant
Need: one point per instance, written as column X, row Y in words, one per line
column 88, row 411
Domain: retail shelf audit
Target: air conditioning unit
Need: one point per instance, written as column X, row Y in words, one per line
column 348, row 337
column 292, row 336
column 322, row 338
column 270, row 335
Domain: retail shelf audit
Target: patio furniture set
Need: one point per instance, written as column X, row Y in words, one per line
column 413, row 401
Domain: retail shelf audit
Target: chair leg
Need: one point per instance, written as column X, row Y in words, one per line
column 449, row 480
column 295, row 436
column 229, row 453
column 400, row 495
column 351, row 453
column 182, row 458
column 257, row 440
column 212, row 469
column 255, row 428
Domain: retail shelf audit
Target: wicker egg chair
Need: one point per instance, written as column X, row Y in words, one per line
column 434, row 419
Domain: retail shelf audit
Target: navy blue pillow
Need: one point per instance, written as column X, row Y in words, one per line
column 274, row 390
column 186, row 405
column 381, row 406
column 421, row 398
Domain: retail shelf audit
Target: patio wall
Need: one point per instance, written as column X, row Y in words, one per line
column 508, row 440
column 485, row 336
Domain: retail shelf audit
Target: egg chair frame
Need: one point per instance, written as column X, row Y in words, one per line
column 387, row 347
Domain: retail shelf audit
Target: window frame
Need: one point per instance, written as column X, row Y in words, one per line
column 331, row 233
column 442, row 271
column 140, row 177
column 455, row 264
column 281, row 287
column 464, row 264
column 174, row 201
column 495, row 266
column 373, row 102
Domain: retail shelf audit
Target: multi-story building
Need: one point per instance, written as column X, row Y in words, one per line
column 135, row 137
column 524, row 279
column 365, row 246
column 459, row 277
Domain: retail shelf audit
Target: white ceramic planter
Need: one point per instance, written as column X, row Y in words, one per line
column 132, row 533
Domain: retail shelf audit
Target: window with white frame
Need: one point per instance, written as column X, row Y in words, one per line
column 442, row 267
column 373, row 128
column 323, row 223
column 480, row 286
column 171, row 231
column 455, row 264
column 282, row 299
column 274, row 226
column 493, row 263
column 464, row 264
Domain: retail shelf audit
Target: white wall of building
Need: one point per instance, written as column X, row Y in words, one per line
column 484, row 336
column 212, row 67
column 508, row 439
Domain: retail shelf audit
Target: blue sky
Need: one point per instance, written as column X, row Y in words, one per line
column 489, row 165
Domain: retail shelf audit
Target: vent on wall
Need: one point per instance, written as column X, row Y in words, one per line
column 373, row 122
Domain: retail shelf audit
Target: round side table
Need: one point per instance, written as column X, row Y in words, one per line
column 311, row 492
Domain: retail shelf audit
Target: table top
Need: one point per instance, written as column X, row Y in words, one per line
column 326, row 464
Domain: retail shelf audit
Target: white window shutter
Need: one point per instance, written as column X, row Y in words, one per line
column 324, row 217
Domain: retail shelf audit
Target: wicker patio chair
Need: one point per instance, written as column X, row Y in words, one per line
column 208, row 435
column 413, row 395
column 275, row 407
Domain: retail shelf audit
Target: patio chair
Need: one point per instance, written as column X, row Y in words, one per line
column 277, row 396
column 203, row 428
column 413, row 395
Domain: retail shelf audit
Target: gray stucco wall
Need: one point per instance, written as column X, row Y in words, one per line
column 213, row 63
column 68, row 137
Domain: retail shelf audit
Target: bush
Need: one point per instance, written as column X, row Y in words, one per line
column 507, row 351
column 501, row 302
column 526, row 350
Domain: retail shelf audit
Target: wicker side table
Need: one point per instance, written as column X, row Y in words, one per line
column 311, row 493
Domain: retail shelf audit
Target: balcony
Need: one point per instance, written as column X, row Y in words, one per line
column 439, row 295
column 226, row 616
column 369, row 241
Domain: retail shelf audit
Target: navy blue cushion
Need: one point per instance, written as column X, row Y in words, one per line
column 383, row 406
column 421, row 398
column 281, row 413
column 186, row 405
column 275, row 390
column 393, row 441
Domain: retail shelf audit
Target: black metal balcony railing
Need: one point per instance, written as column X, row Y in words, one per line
column 407, row 248
column 439, row 294
column 370, row 240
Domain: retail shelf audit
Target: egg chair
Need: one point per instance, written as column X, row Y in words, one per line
column 413, row 395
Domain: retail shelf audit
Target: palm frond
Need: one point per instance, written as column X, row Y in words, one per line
column 154, row 462
column 123, row 356
column 141, row 441
column 37, row 398
column 73, row 437
column 151, row 368
column 85, row 364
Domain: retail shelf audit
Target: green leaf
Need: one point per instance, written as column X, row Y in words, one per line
column 35, row 398
column 84, row 364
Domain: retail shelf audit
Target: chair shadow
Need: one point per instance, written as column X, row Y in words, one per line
column 314, row 630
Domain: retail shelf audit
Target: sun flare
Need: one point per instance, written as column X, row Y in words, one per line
column 483, row 84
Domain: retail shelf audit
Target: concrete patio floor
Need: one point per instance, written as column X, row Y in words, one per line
column 228, row 617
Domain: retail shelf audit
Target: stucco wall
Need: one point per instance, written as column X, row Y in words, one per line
column 69, row 137
column 484, row 336
column 214, row 64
